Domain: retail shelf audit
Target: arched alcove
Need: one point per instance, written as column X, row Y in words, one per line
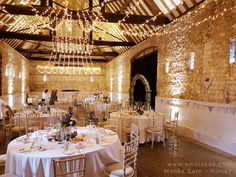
column 145, row 63
column 139, row 77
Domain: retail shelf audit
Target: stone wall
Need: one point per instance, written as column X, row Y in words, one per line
column 209, row 40
column 20, row 83
column 61, row 82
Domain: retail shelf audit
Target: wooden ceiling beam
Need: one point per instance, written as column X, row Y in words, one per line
column 46, row 51
column 71, row 59
column 122, row 9
column 39, row 37
column 43, row 2
column 152, row 6
column 109, row 17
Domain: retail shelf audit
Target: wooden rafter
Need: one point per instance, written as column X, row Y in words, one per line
column 39, row 37
column 110, row 17
column 125, row 6
column 43, row 2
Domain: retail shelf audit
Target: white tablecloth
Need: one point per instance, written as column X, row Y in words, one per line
column 46, row 119
column 39, row 163
column 142, row 121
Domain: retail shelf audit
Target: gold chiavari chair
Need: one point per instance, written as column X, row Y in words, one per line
column 2, row 157
column 125, row 126
column 16, row 126
column 2, row 164
column 33, row 122
column 70, row 167
column 128, row 168
column 101, row 117
column 112, row 124
column 2, row 160
column 8, row 175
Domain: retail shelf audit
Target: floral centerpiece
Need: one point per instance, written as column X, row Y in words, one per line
column 67, row 123
column 67, row 120
column 139, row 107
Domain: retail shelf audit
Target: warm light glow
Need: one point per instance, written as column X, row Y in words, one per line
column 177, row 86
column 111, row 82
column 232, row 51
column 91, row 79
column 111, row 96
column 23, row 97
column 68, row 70
column 120, row 82
column 10, row 100
column 192, row 60
column 44, row 78
column 22, row 74
column 167, row 66
column 10, row 69
column 10, row 86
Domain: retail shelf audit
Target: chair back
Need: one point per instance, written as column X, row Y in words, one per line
column 18, row 122
column 176, row 119
column 126, row 122
column 33, row 122
column 112, row 124
column 167, row 115
column 158, row 123
column 131, row 153
column 134, row 131
column 70, row 167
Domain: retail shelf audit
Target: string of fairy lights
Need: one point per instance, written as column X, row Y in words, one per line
column 48, row 17
column 80, row 48
column 65, row 45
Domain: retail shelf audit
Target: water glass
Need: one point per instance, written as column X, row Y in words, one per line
column 65, row 145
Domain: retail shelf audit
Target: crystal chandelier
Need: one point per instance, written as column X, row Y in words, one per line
column 71, row 48
column 10, row 70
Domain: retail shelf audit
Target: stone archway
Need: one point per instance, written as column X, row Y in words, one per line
column 140, row 77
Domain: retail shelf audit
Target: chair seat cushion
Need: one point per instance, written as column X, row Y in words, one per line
column 153, row 130
column 17, row 129
column 169, row 125
column 117, row 170
column 7, row 175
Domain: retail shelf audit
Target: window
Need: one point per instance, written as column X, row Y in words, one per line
column 167, row 67
column 192, row 60
column 232, row 51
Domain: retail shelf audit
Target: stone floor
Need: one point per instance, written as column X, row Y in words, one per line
column 189, row 159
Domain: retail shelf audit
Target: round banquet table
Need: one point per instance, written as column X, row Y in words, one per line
column 35, row 163
column 142, row 121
